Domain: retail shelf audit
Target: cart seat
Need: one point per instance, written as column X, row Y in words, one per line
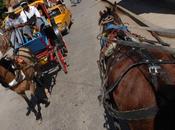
column 37, row 44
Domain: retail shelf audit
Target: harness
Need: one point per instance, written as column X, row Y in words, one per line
column 153, row 67
column 25, row 57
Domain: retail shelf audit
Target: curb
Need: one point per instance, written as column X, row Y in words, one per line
column 148, row 26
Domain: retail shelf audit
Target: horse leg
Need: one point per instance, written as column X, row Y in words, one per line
column 46, row 90
column 39, row 112
column 30, row 105
column 36, row 100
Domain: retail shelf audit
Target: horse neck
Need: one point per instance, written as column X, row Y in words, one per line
column 4, row 44
column 6, row 75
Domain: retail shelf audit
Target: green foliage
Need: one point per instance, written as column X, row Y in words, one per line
column 1, row 4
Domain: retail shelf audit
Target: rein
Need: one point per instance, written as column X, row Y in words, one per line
column 21, row 59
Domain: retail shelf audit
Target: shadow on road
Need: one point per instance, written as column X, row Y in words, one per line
column 148, row 6
column 46, row 81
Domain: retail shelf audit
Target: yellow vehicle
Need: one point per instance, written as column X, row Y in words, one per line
column 62, row 17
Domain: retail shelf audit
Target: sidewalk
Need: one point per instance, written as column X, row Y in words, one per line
column 162, row 14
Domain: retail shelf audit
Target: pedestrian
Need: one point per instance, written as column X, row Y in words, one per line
column 73, row 2
column 78, row 1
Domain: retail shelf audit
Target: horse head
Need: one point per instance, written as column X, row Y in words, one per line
column 112, row 29
column 106, row 16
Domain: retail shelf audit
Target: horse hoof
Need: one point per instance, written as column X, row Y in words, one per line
column 47, row 103
column 39, row 117
column 28, row 112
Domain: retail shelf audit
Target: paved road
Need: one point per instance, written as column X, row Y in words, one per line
column 74, row 104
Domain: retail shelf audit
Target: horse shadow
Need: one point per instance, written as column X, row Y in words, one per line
column 46, row 81
column 147, row 6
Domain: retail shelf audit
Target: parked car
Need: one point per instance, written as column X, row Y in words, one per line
column 62, row 17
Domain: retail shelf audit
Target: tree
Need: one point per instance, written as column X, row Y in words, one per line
column 1, row 4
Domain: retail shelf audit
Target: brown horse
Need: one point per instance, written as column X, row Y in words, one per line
column 25, row 62
column 138, row 79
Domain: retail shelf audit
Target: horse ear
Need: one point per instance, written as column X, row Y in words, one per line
column 114, row 7
column 108, row 9
column 104, row 11
column 115, row 3
column 100, row 13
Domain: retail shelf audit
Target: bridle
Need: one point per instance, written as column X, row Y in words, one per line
column 153, row 67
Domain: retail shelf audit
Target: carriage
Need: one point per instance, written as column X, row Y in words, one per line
column 46, row 51
column 48, row 46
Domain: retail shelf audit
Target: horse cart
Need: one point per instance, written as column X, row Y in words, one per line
column 47, row 45
column 46, row 50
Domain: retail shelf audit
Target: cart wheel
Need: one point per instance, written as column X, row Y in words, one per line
column 64, row 49
column 67, row 30
column 61, row 60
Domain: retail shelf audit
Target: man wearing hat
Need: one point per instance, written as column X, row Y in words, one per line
column 29, row 15
column 28, row 11
column 11, row 24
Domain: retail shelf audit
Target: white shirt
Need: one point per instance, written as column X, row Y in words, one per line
column 27, row 15
column 15, row 34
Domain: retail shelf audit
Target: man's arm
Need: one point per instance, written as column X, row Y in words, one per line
column 36, row 12
column 8, row 25
column 23, row 17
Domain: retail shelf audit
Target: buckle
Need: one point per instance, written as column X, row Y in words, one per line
column 154, row 69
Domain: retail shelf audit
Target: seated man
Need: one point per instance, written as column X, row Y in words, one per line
column 16, row 39
column 28, row 16
column 33, row 17
column 11, row 24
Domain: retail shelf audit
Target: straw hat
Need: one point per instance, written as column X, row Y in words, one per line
column 10, row 10
column 23, row 3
